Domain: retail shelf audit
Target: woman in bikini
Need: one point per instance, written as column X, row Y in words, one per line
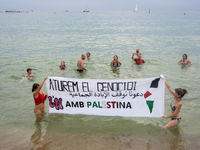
column 185, row 61
column 175, row 105
column 115, row 62
column 62, row 65
column 39, row 98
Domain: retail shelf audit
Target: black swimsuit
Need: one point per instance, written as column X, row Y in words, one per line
column 61, row 67
column 116, row 65
column 80, row 70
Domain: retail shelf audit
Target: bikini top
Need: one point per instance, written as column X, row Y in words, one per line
column 62, row 67
column 40, row 99
column 173, row 107
column 116, row 64
column 184, row 62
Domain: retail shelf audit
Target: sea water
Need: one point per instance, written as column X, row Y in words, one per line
column 41, row 40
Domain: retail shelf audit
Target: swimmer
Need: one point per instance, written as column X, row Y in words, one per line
column 29, row 73
column 88, row 56
column 137, row 52
column 138, row 60
column 62, row 66
column 80, row 64
column 185, row 61
column 175, row 105
column 115, row 62
column 39, row 98
column 27, row 76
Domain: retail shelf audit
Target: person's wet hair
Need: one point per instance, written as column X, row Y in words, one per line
column 88, row 53
column 181, row 91
column 114, row 56
column 28, row 69
column 34, row 87
column 185, row 55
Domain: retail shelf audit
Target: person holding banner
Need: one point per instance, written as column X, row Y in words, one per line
column 80, row 64
column 115, row 62
column 39, row 98
column 175, row 105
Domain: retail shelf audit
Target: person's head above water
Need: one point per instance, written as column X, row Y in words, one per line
column 83, row 56
column 184, row 56
column 88, row 54
column 29, row 70
column 115, row 57
column 34, row 87
column 137, row 50
column 181, row 92
column 62, row 63
column 139, row 56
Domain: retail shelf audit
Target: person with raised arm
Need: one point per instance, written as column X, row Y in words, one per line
column 39, row 98
column 138, row 60
column 137, row 52
column 175, row 106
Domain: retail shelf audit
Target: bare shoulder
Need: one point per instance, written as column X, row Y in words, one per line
column 79, row 60
column 35, row 95
column 188, row 60
column 180, row 104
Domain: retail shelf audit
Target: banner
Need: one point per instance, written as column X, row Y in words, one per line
column 130, row 97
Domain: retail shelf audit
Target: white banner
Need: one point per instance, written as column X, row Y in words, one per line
column 130, row 97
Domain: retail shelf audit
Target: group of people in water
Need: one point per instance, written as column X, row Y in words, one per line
column 175, row 105
column 116, row 63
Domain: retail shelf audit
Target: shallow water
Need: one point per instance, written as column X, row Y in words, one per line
column 40, row 40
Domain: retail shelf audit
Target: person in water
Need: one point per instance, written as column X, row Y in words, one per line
column 185, row 61
column 115, row 62
column 80, row 64
column 29, row 73
column 136, row 53
column 62, row 65
column 39, row 98
column 175, row 106
column 88, row 55
column 27, row 76
column 138, row 60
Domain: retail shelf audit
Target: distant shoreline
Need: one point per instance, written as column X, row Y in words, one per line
column 14, row 11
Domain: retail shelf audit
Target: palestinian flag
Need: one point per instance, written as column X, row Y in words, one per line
column 151, row 94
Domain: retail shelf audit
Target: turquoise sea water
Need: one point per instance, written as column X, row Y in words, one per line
column 41, row 40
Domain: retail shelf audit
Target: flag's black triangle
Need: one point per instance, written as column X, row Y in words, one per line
column 154, row 83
